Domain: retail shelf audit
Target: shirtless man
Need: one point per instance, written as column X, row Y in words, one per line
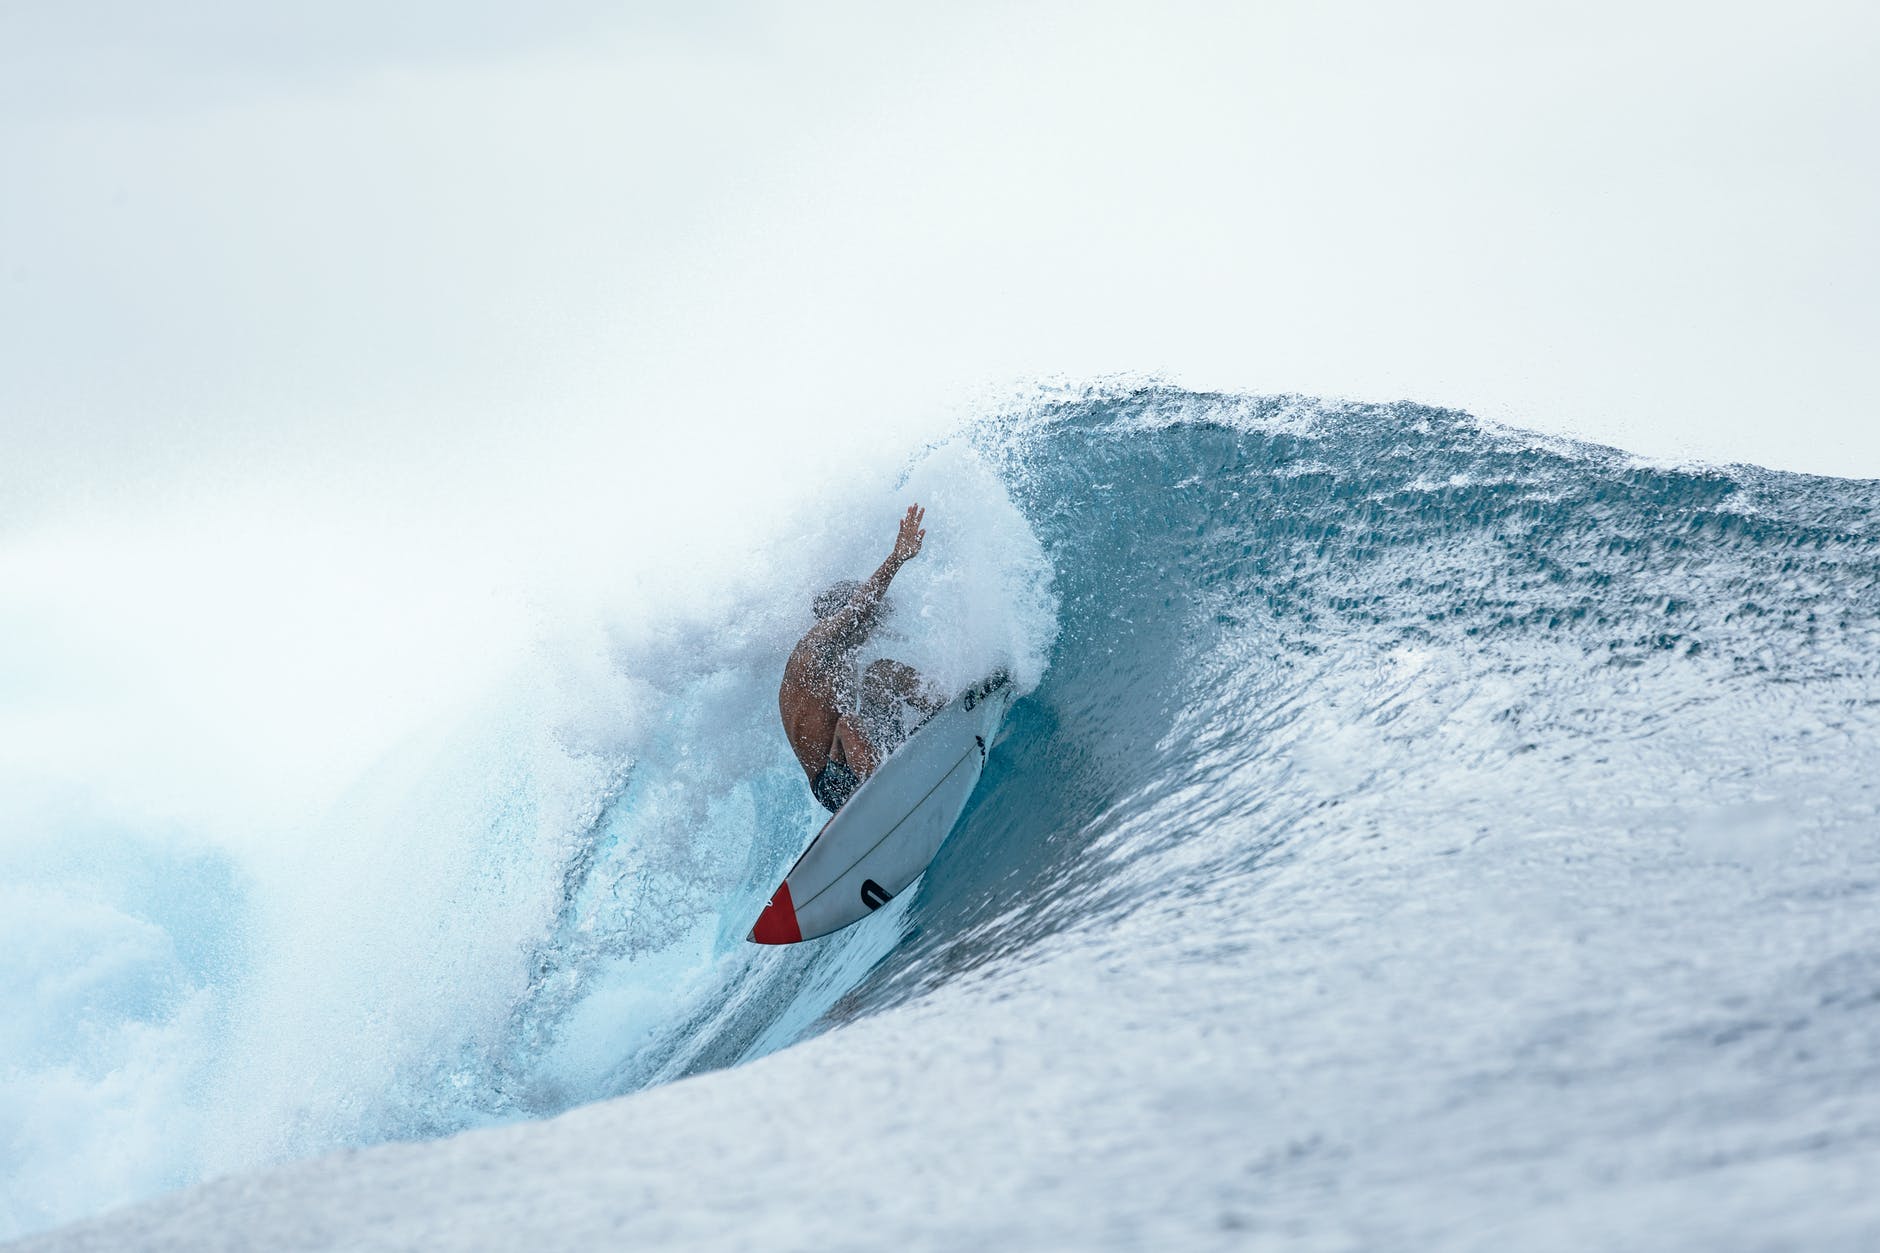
column 838, row 740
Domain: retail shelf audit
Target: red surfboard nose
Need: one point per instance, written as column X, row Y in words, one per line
column 777, row 924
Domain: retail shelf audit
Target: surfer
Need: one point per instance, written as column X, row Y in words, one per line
column 839, row 738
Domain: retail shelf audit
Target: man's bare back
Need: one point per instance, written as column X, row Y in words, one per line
column 823, row 718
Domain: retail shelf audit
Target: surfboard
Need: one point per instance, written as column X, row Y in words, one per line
column 882, row 840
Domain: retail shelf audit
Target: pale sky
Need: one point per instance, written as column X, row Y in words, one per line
column 238, row 242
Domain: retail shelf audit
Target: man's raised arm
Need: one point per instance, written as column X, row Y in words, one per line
column 850, row 624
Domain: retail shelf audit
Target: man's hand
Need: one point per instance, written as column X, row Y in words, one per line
column 907, row 543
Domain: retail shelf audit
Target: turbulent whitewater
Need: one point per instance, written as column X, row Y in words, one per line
column 1412, row 833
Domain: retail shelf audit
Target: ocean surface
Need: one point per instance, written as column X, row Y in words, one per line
column 1413, row 833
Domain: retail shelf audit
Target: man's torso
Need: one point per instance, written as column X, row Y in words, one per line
column 811, row 701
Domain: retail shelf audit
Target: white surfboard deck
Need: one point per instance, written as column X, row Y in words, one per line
column 891, row 828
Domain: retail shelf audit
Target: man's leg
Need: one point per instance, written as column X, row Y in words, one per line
column 889, row 689
column 863, row 739
column 886, row 681
column 853, row 747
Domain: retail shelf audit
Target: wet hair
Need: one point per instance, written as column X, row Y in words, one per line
column 835, row 596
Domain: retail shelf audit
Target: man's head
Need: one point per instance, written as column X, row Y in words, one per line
column 836, row 595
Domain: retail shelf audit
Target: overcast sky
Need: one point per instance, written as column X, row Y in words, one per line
column 238, row 239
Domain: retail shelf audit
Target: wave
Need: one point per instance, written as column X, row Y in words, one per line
column 1316, row 695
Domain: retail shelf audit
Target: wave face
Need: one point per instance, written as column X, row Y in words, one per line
column 1398, row 808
